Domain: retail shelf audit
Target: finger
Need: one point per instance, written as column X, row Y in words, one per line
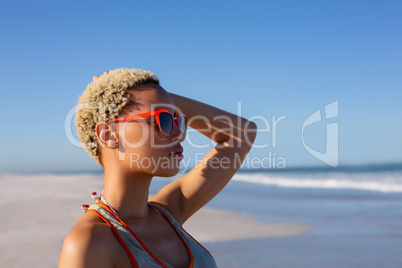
column 97, row 76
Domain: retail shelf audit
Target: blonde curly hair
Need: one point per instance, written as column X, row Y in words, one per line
column 104, row 100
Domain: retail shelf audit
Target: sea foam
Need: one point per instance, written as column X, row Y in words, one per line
column 389, row 182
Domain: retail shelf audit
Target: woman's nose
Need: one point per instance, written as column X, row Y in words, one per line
column 177, row 134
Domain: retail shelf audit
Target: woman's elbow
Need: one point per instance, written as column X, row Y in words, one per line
column 250, row 133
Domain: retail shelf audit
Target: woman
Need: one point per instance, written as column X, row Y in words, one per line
column 133, row 128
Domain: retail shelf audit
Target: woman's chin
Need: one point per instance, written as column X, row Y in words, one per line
column 172, row 172
column 167, row 172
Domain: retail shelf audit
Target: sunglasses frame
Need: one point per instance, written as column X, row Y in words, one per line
column 175, row 120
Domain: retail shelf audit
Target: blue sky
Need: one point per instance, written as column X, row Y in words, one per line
column 278, row 59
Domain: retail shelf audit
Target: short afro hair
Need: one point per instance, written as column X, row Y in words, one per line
column 104, row 100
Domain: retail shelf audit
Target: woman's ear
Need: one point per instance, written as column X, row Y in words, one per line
column 107, row 137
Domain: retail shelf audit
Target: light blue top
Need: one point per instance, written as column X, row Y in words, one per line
column 201, row 257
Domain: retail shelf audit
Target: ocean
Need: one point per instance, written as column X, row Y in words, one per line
column 355, row 211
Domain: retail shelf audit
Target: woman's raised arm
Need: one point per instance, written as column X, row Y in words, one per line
column 234, row 136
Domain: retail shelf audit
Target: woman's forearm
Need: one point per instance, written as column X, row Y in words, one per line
column 216, row 124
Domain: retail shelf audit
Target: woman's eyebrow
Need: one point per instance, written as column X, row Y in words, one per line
column 161, row 106
column 170, row 109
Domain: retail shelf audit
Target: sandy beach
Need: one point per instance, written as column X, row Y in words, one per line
column 37, row 212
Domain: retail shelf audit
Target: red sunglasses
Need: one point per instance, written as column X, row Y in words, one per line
column 164, row 119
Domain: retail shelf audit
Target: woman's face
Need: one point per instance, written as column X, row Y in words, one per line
column 142, row 146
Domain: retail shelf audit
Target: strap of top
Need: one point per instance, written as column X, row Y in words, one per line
column 138, row 253
column 200, row 256
column 134, row 247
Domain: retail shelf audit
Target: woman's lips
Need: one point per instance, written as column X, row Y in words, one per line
column 177, row 156
column 177, row 153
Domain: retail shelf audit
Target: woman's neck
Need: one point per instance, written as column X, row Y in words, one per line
column 127, row 193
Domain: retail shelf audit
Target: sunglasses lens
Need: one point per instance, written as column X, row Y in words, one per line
column 182, row 124
column 166, row 123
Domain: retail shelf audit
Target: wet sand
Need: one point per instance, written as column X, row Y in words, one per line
column 37, row 211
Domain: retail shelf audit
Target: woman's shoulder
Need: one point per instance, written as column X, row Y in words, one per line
column 91, row 228
column 90, row 243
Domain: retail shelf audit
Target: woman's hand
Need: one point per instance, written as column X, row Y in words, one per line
column 97, row 76
column 234, row 136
